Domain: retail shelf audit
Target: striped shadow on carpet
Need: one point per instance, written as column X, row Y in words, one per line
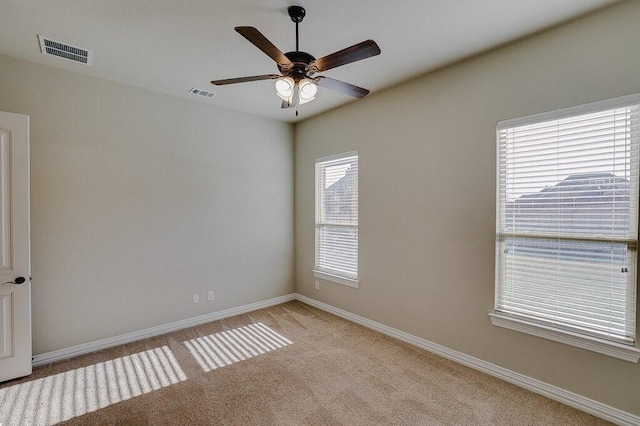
column 62, row 396
column 228, row 347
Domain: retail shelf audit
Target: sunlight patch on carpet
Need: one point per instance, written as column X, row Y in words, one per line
column 63, row 396
column 231, row 346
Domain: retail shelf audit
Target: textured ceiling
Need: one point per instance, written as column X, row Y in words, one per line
column 170, row 46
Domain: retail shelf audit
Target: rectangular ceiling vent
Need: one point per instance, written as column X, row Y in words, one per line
column 62, row 50
column 203, row 93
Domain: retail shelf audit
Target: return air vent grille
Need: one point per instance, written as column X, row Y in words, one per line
column 62, row 50
column 203, row 93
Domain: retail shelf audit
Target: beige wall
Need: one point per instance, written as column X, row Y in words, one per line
column 139, row 200
column 427, row 194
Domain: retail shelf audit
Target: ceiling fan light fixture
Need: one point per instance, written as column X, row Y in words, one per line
column 285, row 88
column 307, row 90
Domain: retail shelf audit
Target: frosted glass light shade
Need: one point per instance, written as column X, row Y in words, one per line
column 307, row 90
column 284, row 88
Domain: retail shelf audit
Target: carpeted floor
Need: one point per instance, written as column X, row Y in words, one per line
column 290, row 364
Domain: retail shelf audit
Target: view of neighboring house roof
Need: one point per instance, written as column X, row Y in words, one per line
column 582, row 185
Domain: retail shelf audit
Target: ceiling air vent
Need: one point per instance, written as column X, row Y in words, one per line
column 203, row 93
column 61, row 50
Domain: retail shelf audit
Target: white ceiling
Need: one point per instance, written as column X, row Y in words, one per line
column 170, row 46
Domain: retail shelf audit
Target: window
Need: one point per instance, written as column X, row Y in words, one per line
column 337, row 218
column 567, row 225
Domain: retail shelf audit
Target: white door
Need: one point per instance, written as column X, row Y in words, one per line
column 15, row 262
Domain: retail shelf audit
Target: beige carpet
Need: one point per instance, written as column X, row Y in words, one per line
column 286, row 365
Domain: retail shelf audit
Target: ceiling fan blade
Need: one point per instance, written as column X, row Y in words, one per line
column 245, row 79
column 341, row 86
column 261, row 42
column 357, row 52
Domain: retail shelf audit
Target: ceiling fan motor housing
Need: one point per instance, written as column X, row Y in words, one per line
column 301, row 61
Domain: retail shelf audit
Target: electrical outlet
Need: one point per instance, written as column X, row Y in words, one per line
column 210, row 295
column 317, row 285
column 196, row 298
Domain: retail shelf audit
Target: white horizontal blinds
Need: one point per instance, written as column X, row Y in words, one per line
column 568, row 219
column 337, row 216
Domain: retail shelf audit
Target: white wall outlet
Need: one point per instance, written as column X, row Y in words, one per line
column 317, row 285
column 210, row 295
column 196, row 298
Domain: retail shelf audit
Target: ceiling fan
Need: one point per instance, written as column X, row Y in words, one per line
column 297, row 82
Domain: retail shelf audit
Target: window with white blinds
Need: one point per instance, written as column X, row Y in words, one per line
column 337, row 218
column 567, row 219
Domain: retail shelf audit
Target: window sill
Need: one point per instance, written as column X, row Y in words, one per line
column 627, row 353
column 336, row 279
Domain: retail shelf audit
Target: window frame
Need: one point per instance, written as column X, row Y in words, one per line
column 318, row 271
column 626, row 352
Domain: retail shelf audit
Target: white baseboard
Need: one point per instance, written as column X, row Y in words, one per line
column 571, row 399
column 61, row 354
